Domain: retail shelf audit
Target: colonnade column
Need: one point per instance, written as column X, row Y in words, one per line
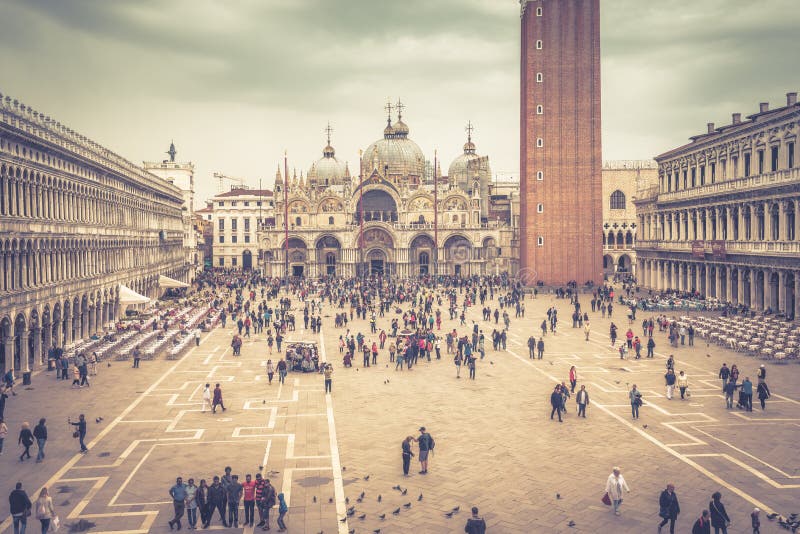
column 782, row 291
column 740, row 286
column 796, row 294
column 782, row 220
column 729, row 283
column 57, row 333
column 37, row 347
column 48, row 336
column 23, row 351
column 767, row 221
column 767, row 291
column 68, row 333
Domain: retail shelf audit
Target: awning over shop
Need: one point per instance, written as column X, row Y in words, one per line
column 169, row 283
column 129, row 296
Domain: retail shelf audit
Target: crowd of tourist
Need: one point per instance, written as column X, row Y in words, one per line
column 410, row 321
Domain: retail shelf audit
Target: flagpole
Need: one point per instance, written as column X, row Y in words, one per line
column 435, row 220
column 361, row 211
column 286, row 218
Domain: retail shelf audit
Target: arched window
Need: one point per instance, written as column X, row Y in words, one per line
column 330, row 220
column 297, row 221
column 617, row 200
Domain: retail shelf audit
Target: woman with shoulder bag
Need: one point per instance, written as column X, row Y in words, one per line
column 26, row 440
column 719, row 517
column 45, row 512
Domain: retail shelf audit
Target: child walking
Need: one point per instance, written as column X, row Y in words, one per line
column 282, row 509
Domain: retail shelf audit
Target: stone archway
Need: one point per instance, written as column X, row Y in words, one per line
column 6, row 343
column 458, row 253
column 377, row 262
column 328, row 250
column 789, row 296
column 421, row 255
column 608, row 264
column 298, row 256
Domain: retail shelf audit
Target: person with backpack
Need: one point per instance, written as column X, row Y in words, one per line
column 426, row 444
column 703, row 524
column 20, row 506
column 45, row 512
column 267, row 501
column 475, row 524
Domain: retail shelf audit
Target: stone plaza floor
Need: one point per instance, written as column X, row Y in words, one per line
column 496, row 447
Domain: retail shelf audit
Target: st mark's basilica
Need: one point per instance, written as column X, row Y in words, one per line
column 398, row 216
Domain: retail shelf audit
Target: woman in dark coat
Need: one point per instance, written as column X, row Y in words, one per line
column 763, row 393
column 407, row 454
column 668, row 508
column 719, row 517
column 26, row 440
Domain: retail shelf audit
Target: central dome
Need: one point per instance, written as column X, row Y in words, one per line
column 395, row 157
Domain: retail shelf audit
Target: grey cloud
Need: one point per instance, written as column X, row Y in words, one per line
column 236, row 79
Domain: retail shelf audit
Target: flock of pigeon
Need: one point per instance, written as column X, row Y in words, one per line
column 353, row 513
column 791, row 523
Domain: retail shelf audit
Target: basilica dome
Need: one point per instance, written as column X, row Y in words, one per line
column 327, row 170
column 468, row 168
column 395, row 157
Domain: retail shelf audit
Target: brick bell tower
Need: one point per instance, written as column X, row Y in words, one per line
column 560, row 150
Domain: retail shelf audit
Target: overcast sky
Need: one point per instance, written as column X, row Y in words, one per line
column 237, row 82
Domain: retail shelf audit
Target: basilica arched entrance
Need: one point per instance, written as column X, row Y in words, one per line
column 378, row 253
column 328, row 254
column 298, row 254
column 421, row 254
column 377, row 262
column 458, row 252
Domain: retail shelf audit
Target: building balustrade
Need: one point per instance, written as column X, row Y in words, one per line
column 769, row 179
column 490, row 225
column 739, row 247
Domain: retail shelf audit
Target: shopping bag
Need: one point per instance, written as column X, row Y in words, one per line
column 55, row 524
column 606, row 499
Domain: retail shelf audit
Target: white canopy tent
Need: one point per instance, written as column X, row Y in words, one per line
column 170, row 283
column 128, row 296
